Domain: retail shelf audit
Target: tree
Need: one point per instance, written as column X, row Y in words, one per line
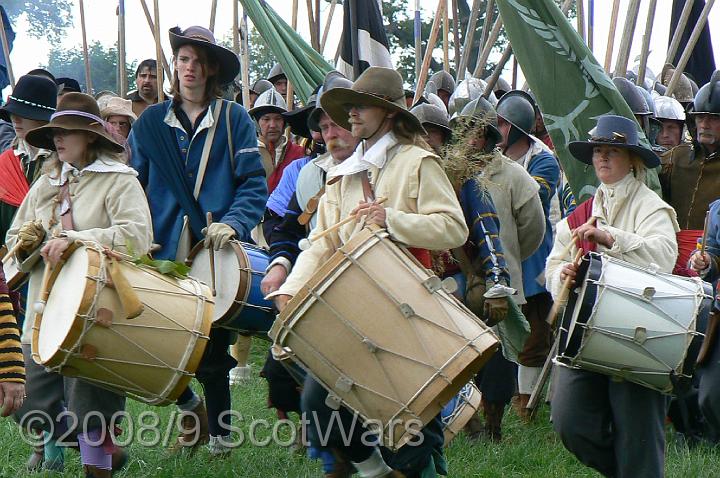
column 47, row 18
column 69, row 62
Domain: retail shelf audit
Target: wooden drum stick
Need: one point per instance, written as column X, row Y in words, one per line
column 12, row 252
column 209, row 219
column 704, row 235
column 340, row 224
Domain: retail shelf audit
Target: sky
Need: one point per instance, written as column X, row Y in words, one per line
column 29, row 52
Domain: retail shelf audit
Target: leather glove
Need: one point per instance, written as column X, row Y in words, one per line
column 217, row 235
column 31, row 235
column 496, row 309
column 475, row 295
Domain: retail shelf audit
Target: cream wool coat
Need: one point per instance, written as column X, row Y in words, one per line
column 422, row 210
column 642, row 224
column 108, row 207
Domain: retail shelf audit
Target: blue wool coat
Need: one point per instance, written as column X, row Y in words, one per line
column 233, row 189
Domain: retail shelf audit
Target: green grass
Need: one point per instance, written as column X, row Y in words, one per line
column 526, row 451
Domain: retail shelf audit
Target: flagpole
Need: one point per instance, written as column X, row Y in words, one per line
column 327, row 25
column 86, row 57
column 6, row 51
column 645, row 52
column 236, row 27
column 591, row 25
column 151, row 24
column 318, row 30
column 311, row 23
column 492, row 81
column 213, row 14
column 428, row 51
column 694, row 37
column 417, row 31
column 469, row 35
column 122, row 65
column 245, row 61
column 352, row 5
column 679, row 30
column 487, row 48
column 158, row 52
column 446, row 49
column 290, row 91
column 514, row 73
column 611, row 34
column 626, row 42
column 581, row 19
column 456, row 34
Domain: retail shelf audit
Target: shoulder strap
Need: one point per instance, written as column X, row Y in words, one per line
column 228, row 126
column 206, row 149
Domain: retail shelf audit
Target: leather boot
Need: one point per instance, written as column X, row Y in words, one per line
column 95, row 472
column 195, row 431
column 519, row 404
column 493, row 412
column 474, row 428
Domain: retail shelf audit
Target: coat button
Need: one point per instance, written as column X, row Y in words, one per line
column 182, row 138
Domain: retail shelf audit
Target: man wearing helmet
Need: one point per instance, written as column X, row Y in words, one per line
column 671, row 115
column 445, row 85
column 278, row 79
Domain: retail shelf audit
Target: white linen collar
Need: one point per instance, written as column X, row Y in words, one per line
column 363, row 160
column 100, row 165
column 23, row 150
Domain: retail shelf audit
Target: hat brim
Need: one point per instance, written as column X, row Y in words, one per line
column 228, row 62
column 447, row 131
column 333, row 102
column 297, row 119
column 259, row 111
column 112, row 111
column 42, row 137
column 24, row 111
column 583, row 151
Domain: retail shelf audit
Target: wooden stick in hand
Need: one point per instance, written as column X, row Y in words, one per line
column 12, row 251
column 705, row 233
column 564, row 292
column 39, row 306
column 209, row 219
column 307, row 242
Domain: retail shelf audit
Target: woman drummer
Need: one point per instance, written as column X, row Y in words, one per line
column 614, row 426
column 87, row 193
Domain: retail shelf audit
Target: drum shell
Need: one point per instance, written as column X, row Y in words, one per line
column 458, row 411
column 386, row 346
column 239, row 269
column 13, row 276
column 152, row 357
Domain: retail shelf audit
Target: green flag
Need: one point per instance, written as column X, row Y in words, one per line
column 571, row 87
column 304, row 67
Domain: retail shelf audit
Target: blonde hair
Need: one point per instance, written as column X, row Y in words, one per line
column 637, row 166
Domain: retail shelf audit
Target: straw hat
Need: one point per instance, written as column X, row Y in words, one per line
column 75, row 112
column 116, row 106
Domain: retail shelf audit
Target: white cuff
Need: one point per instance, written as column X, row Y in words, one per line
column 283, row 261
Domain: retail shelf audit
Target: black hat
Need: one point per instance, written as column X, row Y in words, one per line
column 42, row 72
column 67, row 84
column 617, row 131
column 228, row 62
column 34, row 97
column 297, row 119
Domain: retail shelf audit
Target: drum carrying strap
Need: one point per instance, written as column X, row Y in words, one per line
column 206, row 149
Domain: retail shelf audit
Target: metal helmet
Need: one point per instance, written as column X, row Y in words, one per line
column 435, row 100
column 667, row 108
column 466, row 91
column 270, row 101
column 443, row 81
column 648, row 99
column 432, row 115
column 501, row 86
column 659, row 88
column 631, row 94
column 431, row 87
column 707, row 99
column 334, row 79
column 480, row 109
column 683, row 91
column 275, row 73
column 518, row 108
column 649, row 80
column 260, row 86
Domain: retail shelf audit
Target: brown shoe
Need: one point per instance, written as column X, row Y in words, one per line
column 474, row 428
column 195, row 431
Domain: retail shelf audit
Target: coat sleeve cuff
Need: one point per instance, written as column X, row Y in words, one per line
column 282, row 261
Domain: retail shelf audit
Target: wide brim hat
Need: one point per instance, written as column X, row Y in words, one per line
column 297, row 119
column 116, row 106
column 227, row 61
column 333, row 79
column 34, row 97
column 376, row 86
column 616, row 131
column 75, row 112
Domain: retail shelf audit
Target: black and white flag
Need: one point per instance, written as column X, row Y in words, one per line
column 364, row 41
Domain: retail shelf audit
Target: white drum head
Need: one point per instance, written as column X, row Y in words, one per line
column 227, row 277
column 63, row 304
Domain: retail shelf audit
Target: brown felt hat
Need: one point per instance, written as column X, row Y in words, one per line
column 75, row 111
column 376, row 86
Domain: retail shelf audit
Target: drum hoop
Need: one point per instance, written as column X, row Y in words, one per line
column 18, row 279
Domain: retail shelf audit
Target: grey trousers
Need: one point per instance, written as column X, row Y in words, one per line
column 49, row 394
column 615, row 427
column 709, row 393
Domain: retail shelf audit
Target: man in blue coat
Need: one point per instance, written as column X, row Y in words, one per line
column 195, row 154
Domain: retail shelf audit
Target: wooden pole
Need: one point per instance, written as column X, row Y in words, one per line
column 492, row 81
column 245, row 62
column 290, row 90
column 581, row 19
column 328, row 22
column 236, row 27
column 694, row 37
column 514, row 73
column 446, row 36
column 311, row 22
column 318, row 30
column 611, row 34
column 626, row 41
column 158, row 51
column 645, row 51
column 213, row 14
column 86, row 57
column 122, row 62
column 467, row 44
column 591, row 25
column 679, row 30
column 417, row 32
column 352, row 5
column 487, row 48
column 456, row 34
column 151, row 24
column 428, row 51
column 6, row 52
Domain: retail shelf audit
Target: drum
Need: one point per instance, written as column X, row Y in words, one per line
column 86, row 329
column 239, row 269
column 458, row 411
column 632, row 322
column 378, row 330
column 13, row 276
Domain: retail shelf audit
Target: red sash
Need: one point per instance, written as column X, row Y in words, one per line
column 422, row 255
column 687, row 243
column 580, row 216
column 13, row 183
